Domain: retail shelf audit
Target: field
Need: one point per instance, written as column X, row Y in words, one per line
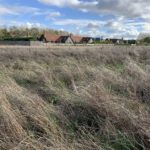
column 75, row 98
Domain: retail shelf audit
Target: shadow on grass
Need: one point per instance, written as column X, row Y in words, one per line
column 40, row 88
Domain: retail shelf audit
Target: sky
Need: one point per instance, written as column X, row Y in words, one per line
column 96, row 18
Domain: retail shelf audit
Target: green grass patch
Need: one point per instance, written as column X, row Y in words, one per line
column 119, row 67
column 26, row 82
column 2, row 77
column 117, row 89
column 121, row 141
column 48, row 95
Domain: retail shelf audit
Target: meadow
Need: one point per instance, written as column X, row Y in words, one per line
column 75, row 98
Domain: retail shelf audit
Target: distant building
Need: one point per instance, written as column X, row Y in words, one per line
column 53, row 38
column 115, row 41
column 87, row 40
column 68, row 39
column 76, row 39
column 65, row 39
column 81, row 40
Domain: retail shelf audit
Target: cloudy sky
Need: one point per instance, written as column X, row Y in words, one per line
column 107, row 18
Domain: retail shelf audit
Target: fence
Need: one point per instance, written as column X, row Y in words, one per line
column 38, row 43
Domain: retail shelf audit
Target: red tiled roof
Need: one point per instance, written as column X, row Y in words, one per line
column 86, row 39
column 77, row 39
column 51, row 37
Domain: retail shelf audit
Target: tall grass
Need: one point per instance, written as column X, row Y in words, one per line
column 75, row 98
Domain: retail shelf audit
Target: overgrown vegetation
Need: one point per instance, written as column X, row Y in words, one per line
column 24, row 34
column 102, row 42
column 145, row 40
column 88, row 98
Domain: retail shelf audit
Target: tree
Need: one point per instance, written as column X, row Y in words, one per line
column 23, row 33
column 146, row 40
column 4, row 34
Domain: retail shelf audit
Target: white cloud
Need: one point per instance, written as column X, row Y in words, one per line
column 84, row 10
column 54, row 14
column 146, row 27
column 32, row 11
column 78, row 22
column 130, row 16
column 92, row 26
column 17, row 10
column 112, row 28
column 61, row 3
column 23, row 24
column 6, row 10
column 48, row 13
column 31, row 25
column 114, row 25
column 70, row 3
column 126, row 8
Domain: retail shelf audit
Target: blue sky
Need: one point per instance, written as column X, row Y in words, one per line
column 107, row 18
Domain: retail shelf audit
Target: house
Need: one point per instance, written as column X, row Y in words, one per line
column 87, row 40
column 53, row 38
column 49, row 37
column 68, row 39
column 81, row 40
column 65, row 39
column 115, row 41
column 76, row 39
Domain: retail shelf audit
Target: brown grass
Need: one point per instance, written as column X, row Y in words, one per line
column 75, row 98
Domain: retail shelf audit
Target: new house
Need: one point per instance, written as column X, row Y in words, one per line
column 115, row 41
column 67, row 39
column 81, row 40
column 76, row 39
column 53, row 38
column 87, row 40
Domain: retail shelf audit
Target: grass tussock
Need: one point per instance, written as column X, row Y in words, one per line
column 71, row 99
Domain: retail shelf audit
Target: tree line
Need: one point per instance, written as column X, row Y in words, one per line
column 31, row 34
column 20, row 33
column 144, row 38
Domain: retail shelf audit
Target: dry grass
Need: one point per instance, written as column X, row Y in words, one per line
column 75, row 98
